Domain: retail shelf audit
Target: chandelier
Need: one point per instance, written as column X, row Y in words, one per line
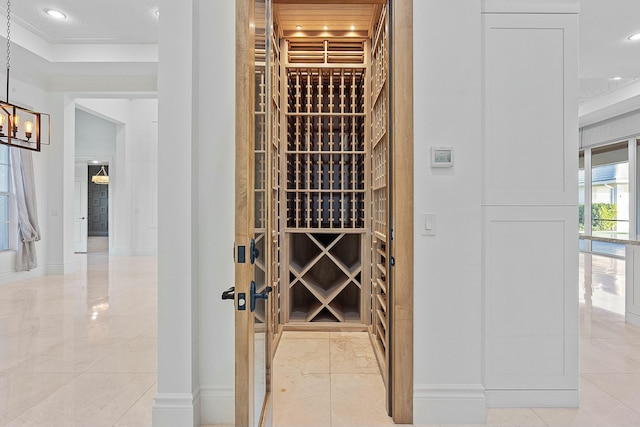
column 100, row 179
column 19, row 126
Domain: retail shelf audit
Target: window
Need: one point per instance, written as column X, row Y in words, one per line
column 610, row 191
column 4, row 196
column 581, row 193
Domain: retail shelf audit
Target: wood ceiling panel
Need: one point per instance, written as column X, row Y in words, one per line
column 314, row 16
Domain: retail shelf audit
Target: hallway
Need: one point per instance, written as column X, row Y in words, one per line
column 80, row 350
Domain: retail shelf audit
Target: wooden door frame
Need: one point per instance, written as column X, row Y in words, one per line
column 244, row 210
column 401, row 68
column 401, row 293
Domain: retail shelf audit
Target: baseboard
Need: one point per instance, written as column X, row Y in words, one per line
column 217, row 405
column 176, row 410
column 120, row 252
column 145, row 252
column 17, row 276
column 449, row 404
column 61, row 269
column 632, row 318
column 532, row 398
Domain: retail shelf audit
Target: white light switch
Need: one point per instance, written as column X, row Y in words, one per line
column 429, row 224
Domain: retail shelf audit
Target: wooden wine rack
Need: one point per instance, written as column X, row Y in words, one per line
column 325, row 148
column 325, row 277
column 267, row 161
column 380, row 196
column 326, row 203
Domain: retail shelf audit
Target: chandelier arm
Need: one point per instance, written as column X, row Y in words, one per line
column 8, row 44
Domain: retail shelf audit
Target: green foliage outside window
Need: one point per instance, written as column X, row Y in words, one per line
column 603, row 216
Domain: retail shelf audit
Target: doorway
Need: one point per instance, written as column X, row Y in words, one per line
column 91, row 206
column 98, row 201
column 326, row 170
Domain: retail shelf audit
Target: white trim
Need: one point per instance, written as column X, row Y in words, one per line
column 120, row 252
column 531, row 6
column 532, row 398
column 610, row 104
column 176, row 409
column 217, row 405
column 632, row 318
column 633, row 194
column 61, row 269
column 449, row 404
column 144, row 252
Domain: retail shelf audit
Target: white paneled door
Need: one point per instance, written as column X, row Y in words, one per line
column 80, row 208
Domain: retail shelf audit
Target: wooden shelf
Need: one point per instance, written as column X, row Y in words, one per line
column 379, row 194
column 325, row 277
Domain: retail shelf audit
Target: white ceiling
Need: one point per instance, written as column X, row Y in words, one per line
column 89, row 21
column 605, row 51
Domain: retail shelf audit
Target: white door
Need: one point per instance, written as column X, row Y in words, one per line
column 80, row 210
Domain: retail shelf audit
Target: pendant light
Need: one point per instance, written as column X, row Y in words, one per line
column 100, row 179
column 21, row 127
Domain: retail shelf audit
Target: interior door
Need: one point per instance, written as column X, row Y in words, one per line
column 251, row 255
column 80, row 207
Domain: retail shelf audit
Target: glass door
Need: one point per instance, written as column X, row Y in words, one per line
column 251, row 226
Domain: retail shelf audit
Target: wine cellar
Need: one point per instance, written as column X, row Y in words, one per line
column 321, row 170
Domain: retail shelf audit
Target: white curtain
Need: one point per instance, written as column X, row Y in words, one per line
column 25, row 197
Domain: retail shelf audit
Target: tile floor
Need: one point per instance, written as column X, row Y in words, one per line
column 80, row 350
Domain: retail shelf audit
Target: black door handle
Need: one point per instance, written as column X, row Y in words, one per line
column 257, row 295
column 229, row 293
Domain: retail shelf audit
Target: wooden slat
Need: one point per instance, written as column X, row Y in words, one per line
column 402, row 299
column 313, row 17
column 244, row 132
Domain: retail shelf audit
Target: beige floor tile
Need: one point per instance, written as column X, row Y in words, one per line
column 21, row 391
column 308, row 356
column 514, row 417
column 71, row 355
column 301, row 400
column 18, row 349
column 351, row 353
column 597, row 357
column 623, row 387
column 138, row 355
column 94, row 400
column 293, row 335
column 597, row 409
column 358, row 400
column 140, row 413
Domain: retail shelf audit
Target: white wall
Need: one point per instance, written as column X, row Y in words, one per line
column 450, row 316
column 447, row 322
column 95, row 137
column 132, row 146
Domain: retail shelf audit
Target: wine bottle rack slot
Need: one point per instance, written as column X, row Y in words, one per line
column 325, row 277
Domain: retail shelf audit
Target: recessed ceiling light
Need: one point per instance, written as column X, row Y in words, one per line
column 298, row 27
column 634, row 37
column 326, row 28
column 55, row 14
column 353, row 28
column 616, row 78
column 157, row 12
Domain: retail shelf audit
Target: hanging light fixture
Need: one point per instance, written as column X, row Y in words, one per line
column 35, row 129
column 100, row 179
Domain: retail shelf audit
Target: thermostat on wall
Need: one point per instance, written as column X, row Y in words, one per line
column 441, row 157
